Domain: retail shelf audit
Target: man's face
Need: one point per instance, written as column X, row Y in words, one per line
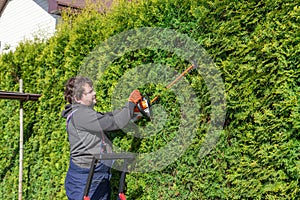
column 89, row 96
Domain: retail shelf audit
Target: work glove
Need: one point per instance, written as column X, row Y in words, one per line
column 135, row 96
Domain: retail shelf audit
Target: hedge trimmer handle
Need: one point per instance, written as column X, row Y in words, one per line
column 143, row 108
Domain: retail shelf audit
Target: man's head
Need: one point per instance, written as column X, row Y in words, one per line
column 80, row 90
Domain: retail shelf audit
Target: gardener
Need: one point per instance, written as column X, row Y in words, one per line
column 87, row 130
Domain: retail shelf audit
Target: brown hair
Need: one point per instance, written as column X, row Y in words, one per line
column 74, row 88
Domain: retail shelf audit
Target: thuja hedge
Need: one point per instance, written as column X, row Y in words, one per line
column 255, row 46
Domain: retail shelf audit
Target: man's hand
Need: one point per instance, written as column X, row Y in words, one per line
column 135, row 96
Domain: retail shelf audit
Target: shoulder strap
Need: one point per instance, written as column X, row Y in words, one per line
column 69, row 117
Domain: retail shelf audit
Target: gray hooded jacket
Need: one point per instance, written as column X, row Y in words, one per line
column 87, row 128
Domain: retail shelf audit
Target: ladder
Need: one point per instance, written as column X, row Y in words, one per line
column 127, row 157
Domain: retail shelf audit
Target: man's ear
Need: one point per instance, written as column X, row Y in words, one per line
column 77, row 100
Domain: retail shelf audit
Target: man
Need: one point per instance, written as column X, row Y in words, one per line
column 87, row 131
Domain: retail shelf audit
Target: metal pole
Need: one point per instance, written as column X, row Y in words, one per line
column 22, row 97
column 21, row 144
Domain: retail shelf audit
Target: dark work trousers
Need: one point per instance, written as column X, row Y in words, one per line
column 76, row 179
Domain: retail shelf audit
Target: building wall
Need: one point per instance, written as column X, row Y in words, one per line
column 25, row 19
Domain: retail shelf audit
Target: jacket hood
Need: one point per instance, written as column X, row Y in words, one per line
column 68, row 109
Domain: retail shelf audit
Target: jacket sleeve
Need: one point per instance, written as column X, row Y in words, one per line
column 94, row 122
column 117, row 119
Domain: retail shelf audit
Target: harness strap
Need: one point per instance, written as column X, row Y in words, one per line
column 69, row 117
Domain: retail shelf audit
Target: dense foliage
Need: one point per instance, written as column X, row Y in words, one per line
column 254, row 44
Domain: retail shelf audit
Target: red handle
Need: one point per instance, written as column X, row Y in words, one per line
column 86, row 198
column 122, row 196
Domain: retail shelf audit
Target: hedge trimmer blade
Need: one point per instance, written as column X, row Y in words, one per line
column 143, row 108
column 193, row 66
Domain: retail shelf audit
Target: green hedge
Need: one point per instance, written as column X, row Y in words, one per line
column 255, row 46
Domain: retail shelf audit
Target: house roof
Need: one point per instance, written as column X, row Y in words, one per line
column 2, row 5
column 56, row 6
